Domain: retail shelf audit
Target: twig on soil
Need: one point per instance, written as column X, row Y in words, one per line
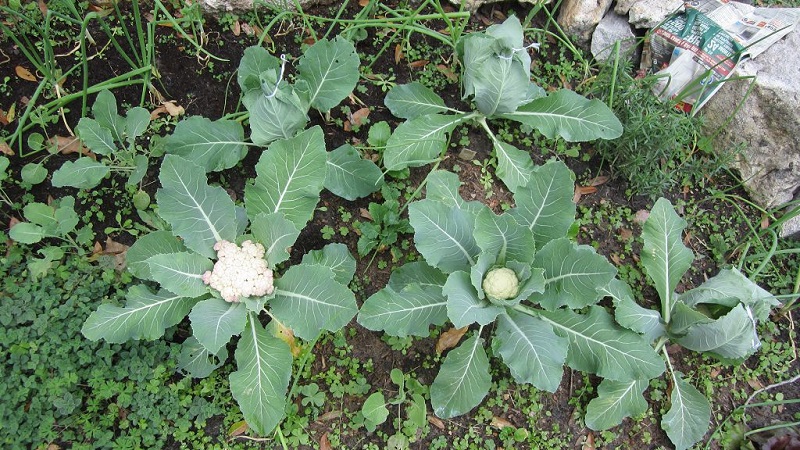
column 771, row 386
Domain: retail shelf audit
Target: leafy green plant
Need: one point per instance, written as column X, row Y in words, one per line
column 496, row 77
column 206, row 225
column 410, row 394
column 717, row 318
column 518, row 270
column 386, row 223
column 114, row 138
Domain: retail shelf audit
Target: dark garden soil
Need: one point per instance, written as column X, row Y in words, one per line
column 208, row 87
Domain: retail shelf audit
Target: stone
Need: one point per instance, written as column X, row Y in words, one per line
column 222, row 6
column 767, row 124
column 579, row 18
column 649, row 13
column 472, row 5
column 623, row 6
column 611, row 29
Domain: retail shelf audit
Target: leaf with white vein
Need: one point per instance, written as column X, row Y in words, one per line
column 463, row 380
column 615, row 401
column 214, row 145
column 264, row 367
column 410, row 311
column 544, row 205
column 412, row 100
column 444, row 235
column 309, row 300
column 181, row 273
column 335, row 257
column 145, row 316
column 151, row 244
column 530, row 348
column 600, row 346
column 463, row 305
column 514, row 166
column 419, row 141
column 200, row 214
column 215, row 322
column 504, row 235
column 290, row 175
column 349, row 175
column 331, row 70
column 196, row 361
column 689, row 414
column 277, row 234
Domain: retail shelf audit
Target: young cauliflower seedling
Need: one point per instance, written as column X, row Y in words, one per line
column 240, row 271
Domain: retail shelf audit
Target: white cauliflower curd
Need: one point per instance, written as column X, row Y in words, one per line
column 240, row 271
column 501, row 283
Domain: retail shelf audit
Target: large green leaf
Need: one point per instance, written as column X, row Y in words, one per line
column 290, row 177
column 463, row 380
column 732, row 336
column 409, row 311
column 505, row 236
column 255, row 60
column 664, row 255
column 309, row 300
column 689, row 414
column 41, row 214
column 196, row 361
column 419, row 141
column 84, row 173
column 572, row 274
column 336, row 257
column 443, row 235
column 264, row 367
column 214, row 145
column 151, row 244
column 105, row 113
column 277, row 234
column 200, row 214
column 629, row 314
column 349, row 175
column 545, row 204
column 181, row 273
column 97, row 138
column 26, row 233
column 498, row 82
column 615, row 401
column 331, row 70
column 729, row 288
column 278, row 115
column 145, row 316
column 417, row 272
column 215, row 321
column 137, row 119
column 598, row 345
column 530, row 348
column 409, row 101
column 463, row 305
column 514, row 166
column 569, row 115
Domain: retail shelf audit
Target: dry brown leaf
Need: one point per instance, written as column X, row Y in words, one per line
column 364, row 213
column 358, row 117
column 25, row 74
column 43, row 7
column 398, row 53
column 625, row 234
column 641, row 216
column 499, row 15
column 12, row 112
column 237, row 429
column 13, row 221
column 114, row 248
column 324, row 443
column 764, row 222
column 53, row 447
column 6, row 149
column 437, row 422
column 363, row 3
column 4, row 118
column 589, row 443
column 616, row 259
column 236, row 27
column 247, row 29
column 500, row 423
column 309, row 40
column 447, row 72
column 330, row 415
column 418, row 64
column 70, row 144
column 597, row 181
column 485, row 20
column 450, row 339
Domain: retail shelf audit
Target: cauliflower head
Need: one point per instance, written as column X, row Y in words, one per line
column 240, row 271
column 501, row 283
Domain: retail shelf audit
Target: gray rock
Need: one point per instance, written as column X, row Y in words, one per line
column 623, row 6
column 222, row 6
column 611, row 29
column 579, row 18
column 649, row 13
column 791, row 228
column 767, row 125
column 472, row 5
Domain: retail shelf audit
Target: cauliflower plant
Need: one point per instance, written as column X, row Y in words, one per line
column 240, row 271
column 501, row 283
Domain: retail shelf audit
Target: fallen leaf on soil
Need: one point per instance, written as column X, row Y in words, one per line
column 363, row 3
column 70, row 144
column 358, row 117
column 449, row 339
column 324, row 443
column 4, row 120
column 641, row 216
column 589, row 443
column 580, row 191
column 500, row 423
column 755, row 384
column 170, row 108
column 687, row 239
column 597, row 181
column 364, row 213
column 330, row 415
column 418, row 64
column 53, row 447
column 625, row 234
column 43, row 7
column 248, row 29
column 437, row 422
column 25, row 74
column 113, row 249
column 309, row 40
column 447, row 72
column 236, row 27
column 499, row 15
column 398, row 53
column 616, row 259
column 12, row 112
column 765, row 223
column 6, row 149
column 13, row 221
column 237, row 429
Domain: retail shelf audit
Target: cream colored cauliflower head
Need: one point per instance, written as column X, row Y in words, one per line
column 240, row 271
column 501, row 283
